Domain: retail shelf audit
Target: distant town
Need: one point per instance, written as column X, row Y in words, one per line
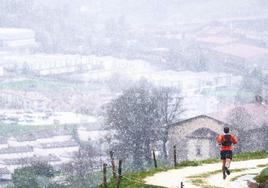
column 51, row 102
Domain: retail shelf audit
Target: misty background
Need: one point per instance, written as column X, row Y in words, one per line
column 82, row 78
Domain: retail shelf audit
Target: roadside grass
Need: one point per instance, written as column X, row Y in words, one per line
column 250, row 155
column 134, row 180
column 200, row 179
column 237, row 157
column 236, row 177
column 263, row 176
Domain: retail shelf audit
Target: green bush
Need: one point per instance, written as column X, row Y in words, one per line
column 263, row 176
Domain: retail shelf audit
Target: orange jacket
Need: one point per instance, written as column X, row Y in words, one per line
column 220, row 140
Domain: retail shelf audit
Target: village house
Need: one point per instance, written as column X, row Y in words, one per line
column 16, row 152
column 57, row 148
column 12, row 164
column 3, row 142
column 23, row 100
column 195, row 138
column 239, row 55
column 98, row 137
column 34, row 139
column 5, row 174
column 53, row 136
column 252, row 122
column 17, row 40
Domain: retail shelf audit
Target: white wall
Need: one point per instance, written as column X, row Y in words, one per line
column 61, row 138
column 16, row 155
column 193, row 145
column 56, row 151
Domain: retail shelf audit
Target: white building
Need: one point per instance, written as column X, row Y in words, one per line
column 17, row 40
column 12, row 164
column 25, row 100
column 5, row 174
column 3, row 143
column 16, row 152
column 191, row 83
column 56, row 148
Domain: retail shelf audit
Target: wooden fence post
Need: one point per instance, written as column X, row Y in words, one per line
column 155, row 162
column 105, row 175
column 175, row 156
column 113, row 163
column 119, row 174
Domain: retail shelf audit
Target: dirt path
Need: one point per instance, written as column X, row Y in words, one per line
column 173, row 178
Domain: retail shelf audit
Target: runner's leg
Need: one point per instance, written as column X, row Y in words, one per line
column 223, row 168
column 227, row 163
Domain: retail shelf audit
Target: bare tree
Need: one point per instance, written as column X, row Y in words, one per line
column 170, row 106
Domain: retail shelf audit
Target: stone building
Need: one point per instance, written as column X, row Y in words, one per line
column 195, row 138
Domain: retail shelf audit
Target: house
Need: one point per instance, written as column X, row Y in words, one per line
column 240, row 56
column 2, row 71
column 195, row 138
column 3, row 142
column 12, row 164
column 57, row 148
column 16, row 152
column 53, row 136
column 33, row 139
column 17, row 40
column 5, row 174
column 24, row 100
column 252, row 122
column 22, row 140
column 99, row 138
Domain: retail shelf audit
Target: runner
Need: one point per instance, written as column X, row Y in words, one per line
column 226, row 141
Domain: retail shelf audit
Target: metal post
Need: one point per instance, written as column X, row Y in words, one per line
column 105, row 175
column 175, row 156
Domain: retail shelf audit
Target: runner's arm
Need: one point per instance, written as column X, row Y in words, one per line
column 234, row 139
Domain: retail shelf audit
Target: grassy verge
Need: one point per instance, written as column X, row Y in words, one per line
column 238, row 157
column 135, row 180
column 200, row 179
column 263, row 176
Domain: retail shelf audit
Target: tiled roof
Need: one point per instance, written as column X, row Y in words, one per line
column 258, row 114
column 242, row 50
column 4, row 171
column 180, row 123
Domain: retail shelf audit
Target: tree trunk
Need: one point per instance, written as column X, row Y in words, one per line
column 148, row 153
column 165, row 148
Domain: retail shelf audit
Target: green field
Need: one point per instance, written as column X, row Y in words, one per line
column 15, row 130
column 48, row 85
